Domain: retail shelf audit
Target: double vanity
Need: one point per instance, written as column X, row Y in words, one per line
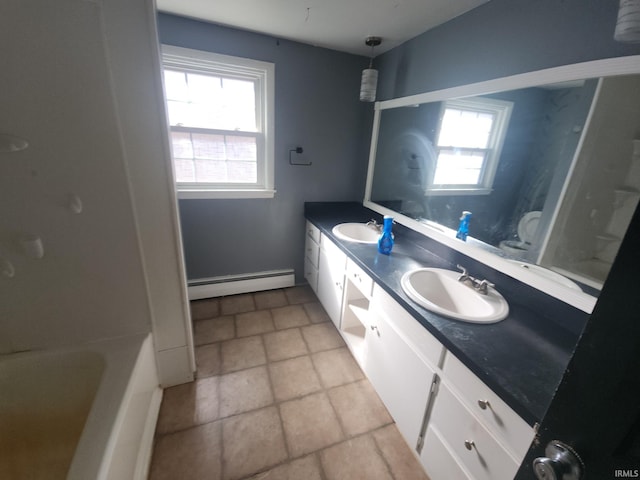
column 466, row 366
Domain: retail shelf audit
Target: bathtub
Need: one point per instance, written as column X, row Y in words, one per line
column 79, row 413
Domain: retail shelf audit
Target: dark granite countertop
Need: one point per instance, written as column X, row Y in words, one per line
column 522, row 358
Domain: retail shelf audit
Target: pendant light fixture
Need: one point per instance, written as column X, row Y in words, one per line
column 628, row 24
column 369, row 82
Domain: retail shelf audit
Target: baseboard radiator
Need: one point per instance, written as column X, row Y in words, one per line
column 243, row 283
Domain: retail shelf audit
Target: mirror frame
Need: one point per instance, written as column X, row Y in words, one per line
column 594, row 69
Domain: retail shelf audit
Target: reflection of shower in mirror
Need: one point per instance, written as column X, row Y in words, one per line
column 603, row 191
column 405, row 178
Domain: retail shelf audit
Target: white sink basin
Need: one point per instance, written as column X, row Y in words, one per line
column 356, row 232
column 440, row 291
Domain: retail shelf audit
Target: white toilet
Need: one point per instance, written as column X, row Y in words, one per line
column 527, row 227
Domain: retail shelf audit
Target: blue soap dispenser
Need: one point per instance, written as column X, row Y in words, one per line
column 385, row 242
column 463, row 229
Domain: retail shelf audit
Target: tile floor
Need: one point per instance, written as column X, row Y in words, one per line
column 278, row 396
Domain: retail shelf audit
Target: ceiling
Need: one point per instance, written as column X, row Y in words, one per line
column 336, row 24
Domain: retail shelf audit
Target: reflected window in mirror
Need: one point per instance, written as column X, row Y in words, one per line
column 469, row 141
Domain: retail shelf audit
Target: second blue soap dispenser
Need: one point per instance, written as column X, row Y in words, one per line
column 463, row 229
column 385, row 242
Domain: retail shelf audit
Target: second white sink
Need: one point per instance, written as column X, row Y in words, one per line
column 439, row 291
column 356, row 232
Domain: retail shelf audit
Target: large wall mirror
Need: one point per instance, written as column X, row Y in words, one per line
column 548, row 164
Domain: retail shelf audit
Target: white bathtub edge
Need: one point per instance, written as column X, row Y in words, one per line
column 146, row 444
column 124, row 452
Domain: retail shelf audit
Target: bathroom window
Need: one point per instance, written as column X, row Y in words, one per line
column 220, row 111
column 468, row 145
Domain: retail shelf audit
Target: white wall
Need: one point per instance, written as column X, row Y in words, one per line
column 78, row 81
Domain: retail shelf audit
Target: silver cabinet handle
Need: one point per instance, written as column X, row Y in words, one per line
column 469, row 444
column 483, row 404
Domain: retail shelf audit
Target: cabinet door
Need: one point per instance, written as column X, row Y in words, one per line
column 400, row 376
column 331, row 279
column 438, row 461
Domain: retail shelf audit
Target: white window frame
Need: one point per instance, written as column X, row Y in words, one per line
column 502, row 111
column 263, row 73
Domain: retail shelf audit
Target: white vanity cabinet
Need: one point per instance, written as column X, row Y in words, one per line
column 458, row 427
column 312, row 255
column 401, row 363
column 331, row 268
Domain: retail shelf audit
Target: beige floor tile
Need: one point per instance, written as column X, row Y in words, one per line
column 270, row 299
column 252, row 442
column 284, row 344
column 207, row 308
column 305, row 468
column 242, row 353
column 316, row 313
column 309, row 424
column 237, row 304
column 336, row 367
column 244, row 390
column 191, row 454
column 213, row 330
column 293, row 378
column 301, row 294
column 208, row 362
column 190, row 404
column 355, row 459
column 396, row 452
column 358, row 407
column 254, row 323
column 289, row 316
column 322, row 336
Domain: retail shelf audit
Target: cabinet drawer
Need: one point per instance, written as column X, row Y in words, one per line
column 360, row 279
column 313, row 232
column 312, row 251
column 311, row 274
column 414, row 334
column 497, row 416
column 438, row 462
column 484, row 458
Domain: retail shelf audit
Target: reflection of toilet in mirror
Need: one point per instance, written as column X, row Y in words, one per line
column 527, row 227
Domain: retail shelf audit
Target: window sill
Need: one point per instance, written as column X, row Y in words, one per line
column 186, row 194
column 459, row 191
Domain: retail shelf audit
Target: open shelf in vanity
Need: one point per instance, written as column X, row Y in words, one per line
column 355, row 309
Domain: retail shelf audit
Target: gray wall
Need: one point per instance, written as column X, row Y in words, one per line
column 500, row 38
column 317, row 107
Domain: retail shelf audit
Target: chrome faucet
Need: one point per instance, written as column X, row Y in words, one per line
column 481, row 286
column 464, row 278
column 374, row 224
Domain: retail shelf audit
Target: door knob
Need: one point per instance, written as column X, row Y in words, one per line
column 561, row 463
